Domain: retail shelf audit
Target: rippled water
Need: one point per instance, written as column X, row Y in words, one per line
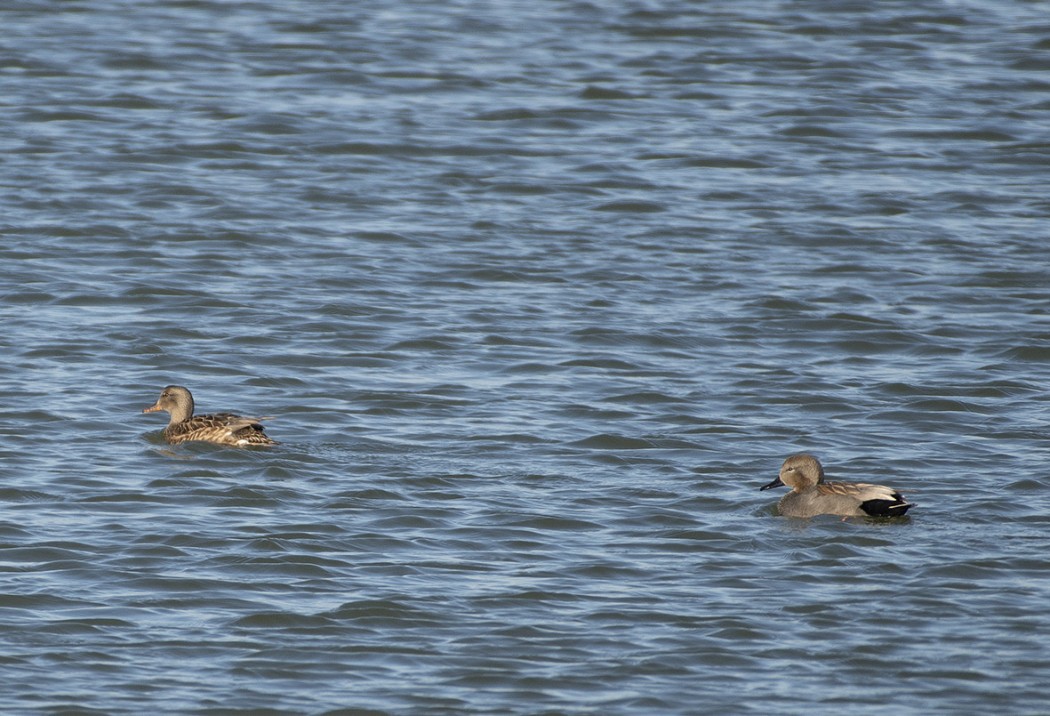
column 539, row 295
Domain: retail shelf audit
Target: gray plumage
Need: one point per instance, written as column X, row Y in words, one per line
column 810, row 495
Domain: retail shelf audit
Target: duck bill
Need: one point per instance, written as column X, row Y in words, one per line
column 770, row 486
column 152, row 409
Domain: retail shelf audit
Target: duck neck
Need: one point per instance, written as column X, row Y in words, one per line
column 182, row 411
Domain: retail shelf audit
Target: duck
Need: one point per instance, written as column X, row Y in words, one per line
column 221, row 428
column 810, row 495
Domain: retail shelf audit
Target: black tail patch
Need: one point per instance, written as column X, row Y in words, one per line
column 886, row 508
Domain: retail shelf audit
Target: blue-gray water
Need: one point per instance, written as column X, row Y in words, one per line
column 538, row 294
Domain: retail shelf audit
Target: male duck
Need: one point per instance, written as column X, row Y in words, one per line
column 222, row 428
column 811, row 496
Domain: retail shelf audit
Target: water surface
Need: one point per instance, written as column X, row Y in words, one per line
column 539, row 295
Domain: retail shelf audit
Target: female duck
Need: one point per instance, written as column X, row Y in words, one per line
column 811, row 496
column 222, row 428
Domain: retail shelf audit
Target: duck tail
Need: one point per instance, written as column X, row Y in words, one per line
column 886, row 508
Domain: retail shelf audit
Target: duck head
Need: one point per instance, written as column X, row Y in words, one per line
column 176, row 400
column 798, row 472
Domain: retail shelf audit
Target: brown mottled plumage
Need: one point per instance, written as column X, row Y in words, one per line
column 810, row 495
column 222, row 428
